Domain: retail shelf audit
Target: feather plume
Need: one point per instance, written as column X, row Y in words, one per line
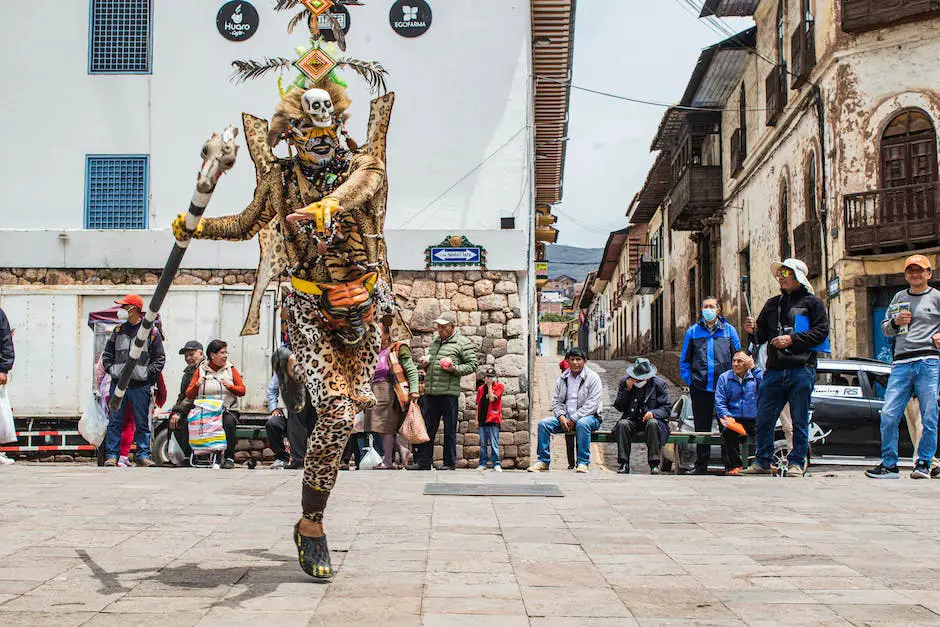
column 371, row 71
column 338, row 33
column 294, row 21
column 285, row 5
column 248, row 70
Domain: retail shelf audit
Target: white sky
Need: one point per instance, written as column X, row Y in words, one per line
column 638, row 48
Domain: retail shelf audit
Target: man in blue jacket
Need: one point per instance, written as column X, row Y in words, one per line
column 736, row 394
column 707, row 350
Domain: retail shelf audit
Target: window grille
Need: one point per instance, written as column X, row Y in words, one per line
column 116, row 191
column 119, row 36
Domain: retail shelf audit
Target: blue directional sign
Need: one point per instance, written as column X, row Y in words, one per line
column 464, row 255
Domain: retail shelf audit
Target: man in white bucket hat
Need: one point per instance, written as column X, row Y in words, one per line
column 795, row 324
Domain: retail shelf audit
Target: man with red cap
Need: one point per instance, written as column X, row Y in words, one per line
column 149, row 366
column 913, row 320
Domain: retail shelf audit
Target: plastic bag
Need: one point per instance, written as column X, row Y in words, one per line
column 370, row 458
column 94, row 422
column 174, row 452
column 7, row 428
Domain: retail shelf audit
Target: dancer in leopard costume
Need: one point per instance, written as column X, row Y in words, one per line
column 319, row 215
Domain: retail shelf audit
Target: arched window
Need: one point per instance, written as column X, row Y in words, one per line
column 908, row 150
column 786, row 250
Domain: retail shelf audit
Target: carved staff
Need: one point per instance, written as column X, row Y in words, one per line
column 218, row 157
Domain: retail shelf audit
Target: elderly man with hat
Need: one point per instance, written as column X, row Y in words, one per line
column 643, row 403
column 795, row 324
column 450, row 356
column 194, row 354
column 913, row 320
column 149, row 366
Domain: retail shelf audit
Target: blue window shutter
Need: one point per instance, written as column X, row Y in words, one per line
column 120, row 36
column 116, row 190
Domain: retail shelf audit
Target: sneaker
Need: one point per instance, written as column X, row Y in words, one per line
column 624, row 469
column 417, row 467
column 921, row 470
column 123, row 462
column 279, row 464
column 443, row 467
column 497, row 469
column 793, row 471
column 481, row 468
column 111, row 462
column 215, row 466
column 144, row 462
column 654, row 470
column 5, row 461
column 756, row 469
column 581, row 468
column 883, row 472
column 538, row 467
column 228, row 464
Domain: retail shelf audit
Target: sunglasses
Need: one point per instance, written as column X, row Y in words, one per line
column 784, row 273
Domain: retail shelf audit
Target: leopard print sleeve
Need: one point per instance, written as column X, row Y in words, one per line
column 366, row 177
column 255, row 216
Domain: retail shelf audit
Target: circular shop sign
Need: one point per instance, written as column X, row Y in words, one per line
column 341, row 14
column 410, row 18
column 237, row 20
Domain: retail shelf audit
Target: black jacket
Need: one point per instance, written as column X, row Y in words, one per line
column 655, row 400
column 150, row 365
column 183, row 405
column 778, row 318
column 6, row 344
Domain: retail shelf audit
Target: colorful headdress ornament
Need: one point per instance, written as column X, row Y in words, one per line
column 322, row 60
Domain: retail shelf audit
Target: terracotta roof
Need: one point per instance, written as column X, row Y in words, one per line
column 552, row 329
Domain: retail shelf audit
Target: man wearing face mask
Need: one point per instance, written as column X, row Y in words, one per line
column 643, row 400
column 145, row 373
column 707, row 352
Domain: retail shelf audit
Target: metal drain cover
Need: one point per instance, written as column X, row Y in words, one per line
column 493, row 489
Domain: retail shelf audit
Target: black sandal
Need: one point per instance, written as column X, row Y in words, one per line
column 313, row 555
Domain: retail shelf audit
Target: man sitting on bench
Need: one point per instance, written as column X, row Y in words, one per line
column 643, row 401
column 736, row 394
column 576, row 403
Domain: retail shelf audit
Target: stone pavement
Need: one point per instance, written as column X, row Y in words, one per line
column 81, row 545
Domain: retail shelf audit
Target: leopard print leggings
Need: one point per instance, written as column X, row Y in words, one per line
column 339, row 381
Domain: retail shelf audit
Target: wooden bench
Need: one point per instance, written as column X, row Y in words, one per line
column 675, row 437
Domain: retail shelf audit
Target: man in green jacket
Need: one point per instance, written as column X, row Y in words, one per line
column 450, row 356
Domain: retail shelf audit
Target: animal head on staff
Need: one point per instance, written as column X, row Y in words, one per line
column 218, row 157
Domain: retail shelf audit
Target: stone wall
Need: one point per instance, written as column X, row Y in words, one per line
column 120, row 276
column 488, row 311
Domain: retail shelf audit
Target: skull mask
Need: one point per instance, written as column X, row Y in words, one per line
column 319, row 107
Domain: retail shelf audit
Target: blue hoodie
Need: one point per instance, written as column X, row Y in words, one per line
column 738, row 399
column 706, row 353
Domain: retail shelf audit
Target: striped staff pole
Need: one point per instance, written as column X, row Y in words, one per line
column 218, row 156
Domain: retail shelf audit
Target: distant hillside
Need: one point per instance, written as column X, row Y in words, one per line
column 571, row 260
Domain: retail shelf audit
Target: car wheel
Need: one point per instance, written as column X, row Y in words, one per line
column 158, row 447
column 781, row 450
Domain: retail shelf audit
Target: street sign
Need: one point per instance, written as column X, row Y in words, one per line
column 459, row 255
column 453, row 252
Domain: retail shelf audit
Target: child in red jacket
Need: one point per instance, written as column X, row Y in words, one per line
column 489, row 417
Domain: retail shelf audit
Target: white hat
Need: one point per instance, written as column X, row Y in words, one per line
column 799, row 269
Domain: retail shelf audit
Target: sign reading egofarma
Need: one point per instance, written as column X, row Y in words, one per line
column 410, row 18
column 456, row 251
column 237, row 20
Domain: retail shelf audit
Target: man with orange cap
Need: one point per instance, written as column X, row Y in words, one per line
column 913, row 320
column 148, row 368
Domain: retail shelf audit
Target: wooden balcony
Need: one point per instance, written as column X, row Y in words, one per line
column 695, row 196
column 647, row 275
column 776, row 93
column 890, row 220
column 863, row 15
column 803, row 51
column 738, row 150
